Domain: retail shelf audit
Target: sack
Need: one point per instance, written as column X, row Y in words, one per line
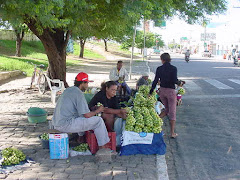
column 157, row 146
column 159, row 107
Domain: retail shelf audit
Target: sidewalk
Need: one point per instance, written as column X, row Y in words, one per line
column 16, row 131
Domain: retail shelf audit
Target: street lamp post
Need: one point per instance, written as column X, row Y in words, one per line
column 133, row 42
column 144, row 38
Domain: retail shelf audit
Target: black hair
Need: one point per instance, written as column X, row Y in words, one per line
column 120, row 62
column 77, row 83
column 107, row 84
column 165, row 57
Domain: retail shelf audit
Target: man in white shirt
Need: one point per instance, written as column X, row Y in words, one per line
column 120, row 75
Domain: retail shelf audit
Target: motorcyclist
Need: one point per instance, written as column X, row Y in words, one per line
column 187, row 55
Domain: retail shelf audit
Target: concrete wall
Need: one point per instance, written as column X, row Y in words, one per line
column 10, row 35
column 7, row 75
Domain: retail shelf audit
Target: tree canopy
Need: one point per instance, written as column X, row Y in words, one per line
column 53, row 20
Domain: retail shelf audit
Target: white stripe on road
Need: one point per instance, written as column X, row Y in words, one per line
column 217, row 84
column 162, row 168
column 222, row 96
column 192, row 86
column 235, row 80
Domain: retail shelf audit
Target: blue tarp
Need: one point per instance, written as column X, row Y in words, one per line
column 158, row 146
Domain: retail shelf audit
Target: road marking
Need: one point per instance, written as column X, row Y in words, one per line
column 162, row 168
column 235, row 80
column 211, row 96
column 217, row 84
column 192, row 86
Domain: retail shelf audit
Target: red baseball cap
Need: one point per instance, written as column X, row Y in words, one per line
column 82, row 77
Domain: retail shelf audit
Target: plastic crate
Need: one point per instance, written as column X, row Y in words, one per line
column 92, row 141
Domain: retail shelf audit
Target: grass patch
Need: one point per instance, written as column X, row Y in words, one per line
column 31, row 49
column 25, row 65
column 114, row 48
column 33, row 52
column 11, row 64
column 87, row 52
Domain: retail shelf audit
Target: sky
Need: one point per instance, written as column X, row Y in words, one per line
column 226, row 26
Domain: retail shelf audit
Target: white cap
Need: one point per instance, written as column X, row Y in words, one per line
column 145, row 74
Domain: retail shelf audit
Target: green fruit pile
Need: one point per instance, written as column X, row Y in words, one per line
column 143, row 117
column 81, row 148
column 12, row 156
column 149, row 81
column 45, row 136
column 181, row 91
column 99, row 104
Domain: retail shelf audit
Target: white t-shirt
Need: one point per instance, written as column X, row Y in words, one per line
column 115, row 74
column 71, row 105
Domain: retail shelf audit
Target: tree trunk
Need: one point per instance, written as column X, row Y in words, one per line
column 105, row 43
column 19, row 42
column 82, row 44
column 54, row 42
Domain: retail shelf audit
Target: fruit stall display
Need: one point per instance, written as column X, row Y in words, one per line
column 142, row 117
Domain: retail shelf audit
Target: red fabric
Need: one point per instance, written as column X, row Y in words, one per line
column 82, row 77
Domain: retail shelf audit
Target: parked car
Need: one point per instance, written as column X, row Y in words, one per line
column 206, row 54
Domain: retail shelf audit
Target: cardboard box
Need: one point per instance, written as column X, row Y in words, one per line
column 59, row 146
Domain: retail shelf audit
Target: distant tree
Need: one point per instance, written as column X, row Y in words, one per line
column 19, row 30
column 159, row 41
column 150, row 40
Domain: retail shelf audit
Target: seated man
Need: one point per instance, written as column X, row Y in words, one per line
column 143, row 80
column 107, row 97
column 120, row 75
column 72, row 114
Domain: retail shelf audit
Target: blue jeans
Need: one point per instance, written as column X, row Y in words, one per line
column 124, row 84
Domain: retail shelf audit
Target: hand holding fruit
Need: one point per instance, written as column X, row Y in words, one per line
column 100, row 109
column 123, row 113
column 120, row 80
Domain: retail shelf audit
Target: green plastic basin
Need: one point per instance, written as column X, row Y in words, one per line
column 36, row 115
column 88, row 97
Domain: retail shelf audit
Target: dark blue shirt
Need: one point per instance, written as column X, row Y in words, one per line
column 167, row 74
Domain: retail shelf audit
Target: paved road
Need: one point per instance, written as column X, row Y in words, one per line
column 208, row 146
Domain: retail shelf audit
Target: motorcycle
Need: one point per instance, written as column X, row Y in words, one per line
column 187, row 58
column 236, row 60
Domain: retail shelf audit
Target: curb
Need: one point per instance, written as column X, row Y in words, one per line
column 162, row 168
column 9, row 74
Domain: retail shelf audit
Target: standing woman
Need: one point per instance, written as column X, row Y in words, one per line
column 167, row 74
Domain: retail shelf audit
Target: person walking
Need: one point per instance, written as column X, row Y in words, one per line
column 167, row 75
column 229, row 55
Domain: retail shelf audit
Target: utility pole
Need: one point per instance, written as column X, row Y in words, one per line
column 144, row 38
column 133, row 42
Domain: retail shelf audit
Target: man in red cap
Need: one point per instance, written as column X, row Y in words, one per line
column 72, row 114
